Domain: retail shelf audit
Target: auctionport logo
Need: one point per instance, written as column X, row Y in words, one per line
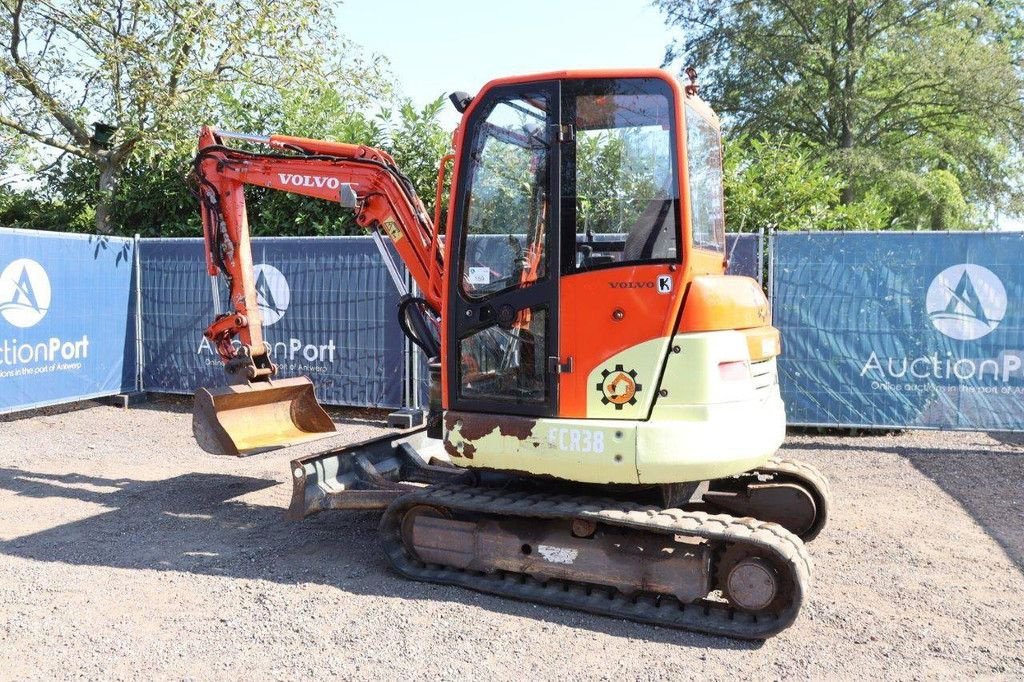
column 24, row 293
column 272, row 293
column 966, row 302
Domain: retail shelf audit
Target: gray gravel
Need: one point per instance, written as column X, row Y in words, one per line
column 125, row 552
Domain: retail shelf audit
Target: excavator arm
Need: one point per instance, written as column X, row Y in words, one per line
column 358, row 177
column 273, row 413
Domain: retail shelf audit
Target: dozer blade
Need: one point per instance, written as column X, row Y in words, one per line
column 371, row 474
column 256, row 417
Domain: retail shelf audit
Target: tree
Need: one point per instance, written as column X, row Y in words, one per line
column 889, row 90
column 782, row 182
column 150, row 68
column 413, row 137
column 417, row 142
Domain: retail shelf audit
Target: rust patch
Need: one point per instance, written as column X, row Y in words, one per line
column 473, row 426
column 451, row 449
column 476, row 426
column 517, row 427
column 468, row 450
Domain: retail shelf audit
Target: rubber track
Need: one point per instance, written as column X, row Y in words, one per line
column 711, row 617
column 813, row 479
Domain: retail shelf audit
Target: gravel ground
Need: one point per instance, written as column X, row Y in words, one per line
column 126, row 552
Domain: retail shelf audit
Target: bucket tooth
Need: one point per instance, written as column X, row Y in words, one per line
column 254, row 417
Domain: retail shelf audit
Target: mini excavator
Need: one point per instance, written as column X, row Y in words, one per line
column 604, row 403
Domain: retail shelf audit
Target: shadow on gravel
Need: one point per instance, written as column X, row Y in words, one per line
column 50, row 411
column 192, row 523
column 986, row 483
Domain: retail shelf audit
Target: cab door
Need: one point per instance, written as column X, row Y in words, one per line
column 622, row 211
column 503, row 307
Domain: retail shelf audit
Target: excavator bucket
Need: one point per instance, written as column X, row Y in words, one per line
column 256, row 417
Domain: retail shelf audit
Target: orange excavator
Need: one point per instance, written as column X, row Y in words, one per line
column 604, row 403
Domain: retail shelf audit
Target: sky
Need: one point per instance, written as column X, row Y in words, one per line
column 440, row 47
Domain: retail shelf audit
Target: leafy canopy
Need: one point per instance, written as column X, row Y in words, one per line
column 158, row 69
column 914, row 103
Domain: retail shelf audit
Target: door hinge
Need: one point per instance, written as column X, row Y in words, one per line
column 566, row 133
column 555, row 366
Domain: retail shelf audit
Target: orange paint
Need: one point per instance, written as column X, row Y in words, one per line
column 724, row 302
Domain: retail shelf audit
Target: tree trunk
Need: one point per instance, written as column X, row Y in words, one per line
column 938, row 217
column 109, row 173
column 846, row 141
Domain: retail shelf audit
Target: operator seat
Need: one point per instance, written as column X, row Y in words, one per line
column 652, row 235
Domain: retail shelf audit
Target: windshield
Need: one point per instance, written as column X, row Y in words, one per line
column 508, row 199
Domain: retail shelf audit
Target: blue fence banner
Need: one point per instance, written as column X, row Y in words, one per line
column 67, row 324
column 901, row 329
column 328, row 307
column 744, row 253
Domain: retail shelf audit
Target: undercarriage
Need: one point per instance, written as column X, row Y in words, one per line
column 727, row 558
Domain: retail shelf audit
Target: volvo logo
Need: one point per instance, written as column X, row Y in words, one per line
column 966, row 302
column 317, row 181
column 24, row 293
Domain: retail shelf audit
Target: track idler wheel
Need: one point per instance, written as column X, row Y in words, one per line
column 749, row 582
column 791, row 494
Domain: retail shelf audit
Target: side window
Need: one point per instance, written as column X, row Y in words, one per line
column 506, row 364
column 704, row 163
column 619, row 180
column 508, row 199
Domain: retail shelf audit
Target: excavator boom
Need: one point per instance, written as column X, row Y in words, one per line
column 258, row 412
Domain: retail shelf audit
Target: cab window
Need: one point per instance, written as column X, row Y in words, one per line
column 704, row 166
column 507, row 210
column 620, row 196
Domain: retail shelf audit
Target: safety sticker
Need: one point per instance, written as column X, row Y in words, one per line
column 391, row 229
column 478, row 275
column 619, row 387
column 557, row 555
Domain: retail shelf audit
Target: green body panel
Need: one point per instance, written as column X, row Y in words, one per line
column 702, row 426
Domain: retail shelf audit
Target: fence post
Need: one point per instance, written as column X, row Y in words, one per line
column 137, row 283
column 771, row 268
column 410, row 399
column 760, row 256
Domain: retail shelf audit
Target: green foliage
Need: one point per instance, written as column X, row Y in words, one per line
column 417, row 142
column 153, row 199
column 505, row 183
column 270, row 73
column 916, row 104
column 784, row 182
column 414, row 138
column 158, row 69
column 613, row 182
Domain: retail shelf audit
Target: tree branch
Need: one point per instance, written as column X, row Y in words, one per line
column 23, row 77
column 85, row 153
